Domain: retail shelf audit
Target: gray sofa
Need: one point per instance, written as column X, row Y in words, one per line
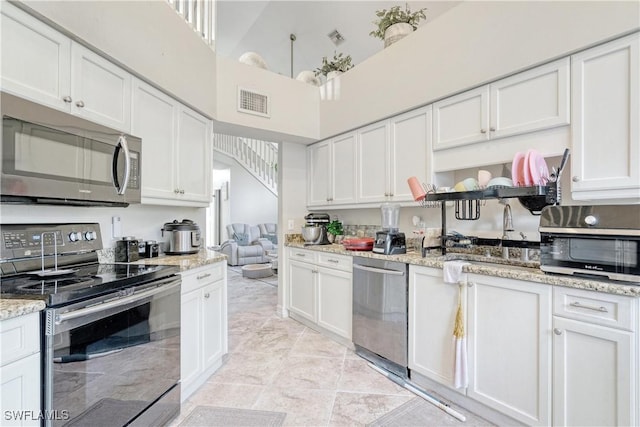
column 245, row 246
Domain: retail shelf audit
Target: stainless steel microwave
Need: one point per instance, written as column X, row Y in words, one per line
column 594, row 241
column 53, row 157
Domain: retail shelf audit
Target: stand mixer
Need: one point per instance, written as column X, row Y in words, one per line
column 389, row 241
column 315, row 231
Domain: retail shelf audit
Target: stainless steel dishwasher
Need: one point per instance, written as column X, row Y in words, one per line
column 380, row 291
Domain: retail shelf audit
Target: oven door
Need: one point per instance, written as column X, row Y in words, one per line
column 615, row 257
column 107, row 362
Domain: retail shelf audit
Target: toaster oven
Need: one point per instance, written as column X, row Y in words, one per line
column 600, row 241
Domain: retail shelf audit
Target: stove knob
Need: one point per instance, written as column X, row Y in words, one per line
column 74, row 236
column 90, row 235
column 590, row 220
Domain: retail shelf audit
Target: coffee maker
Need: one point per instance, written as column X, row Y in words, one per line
column 315, row 230
column 389, row 241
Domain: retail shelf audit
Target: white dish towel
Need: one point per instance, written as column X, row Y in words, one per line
column 452, row 272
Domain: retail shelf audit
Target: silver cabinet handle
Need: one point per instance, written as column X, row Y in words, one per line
column 79, row 104
column 391, row 194
column 589, row 307
column 575, row 179
column 207, row 295
column 557, row 331
column 378, row 270
column 314, row 271
column 67, row 99
column 181, row 191
column 203, row 276
column 483, row 131
column 470, row 284
column 176, row 191
column 492, row 129
column 302, row 255
column 333, row 260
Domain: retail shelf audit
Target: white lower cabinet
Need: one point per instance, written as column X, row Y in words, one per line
column 203, row 337
column 595, row 367
column 20, row 378
column 320, row 289
column 432, row 312
column 509, row 347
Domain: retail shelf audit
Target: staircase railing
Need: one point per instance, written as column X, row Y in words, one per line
column 259, row 158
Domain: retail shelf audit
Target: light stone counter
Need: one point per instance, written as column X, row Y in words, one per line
column 185, row 262
column 10, row 308
column 510, row 269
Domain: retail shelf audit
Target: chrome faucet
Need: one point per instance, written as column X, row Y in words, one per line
column 507, row 226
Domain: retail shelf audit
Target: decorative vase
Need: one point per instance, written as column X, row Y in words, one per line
column 333, row 74
column 331, row 237
column 395, row 32
column 309, row 77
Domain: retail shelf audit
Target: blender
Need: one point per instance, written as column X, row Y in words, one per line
column 389, row 241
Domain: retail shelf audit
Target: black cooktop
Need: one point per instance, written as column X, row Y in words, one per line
column 82, row 282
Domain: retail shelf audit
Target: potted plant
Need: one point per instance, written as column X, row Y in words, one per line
column 334, row 228
column 339, row 64
column 394, row 24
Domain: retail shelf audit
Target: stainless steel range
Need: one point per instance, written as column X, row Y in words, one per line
column 108, row 329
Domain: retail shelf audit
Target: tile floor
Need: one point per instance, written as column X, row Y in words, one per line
column 277, row 364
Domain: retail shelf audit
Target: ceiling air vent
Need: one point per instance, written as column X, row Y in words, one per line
column 253, row 102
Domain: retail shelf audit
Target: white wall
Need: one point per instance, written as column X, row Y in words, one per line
column 473, row 43
column 141, row 221
column 250, row 202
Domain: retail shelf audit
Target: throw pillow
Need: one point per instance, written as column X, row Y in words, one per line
column 272, row 237
column 241, row 238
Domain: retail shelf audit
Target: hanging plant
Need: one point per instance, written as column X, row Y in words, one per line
column 339, row 63
column 395, row 15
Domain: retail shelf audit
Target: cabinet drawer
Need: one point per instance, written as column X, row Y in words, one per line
column 20, row 337
column 196, row 278
column 339, row 262
column 616, row 311
column 302, row 255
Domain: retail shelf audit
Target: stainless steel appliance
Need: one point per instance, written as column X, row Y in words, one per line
column 127, row 250
column 53, row 157
column 598, row 241
column 315, row 230
column 380, row 333
column 109, row 329
column 181, row 237
column 390, row 241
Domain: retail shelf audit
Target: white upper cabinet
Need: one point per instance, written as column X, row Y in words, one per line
column 605, row 160
column 35, row 59
column 529, row 101
column 176, row 167
column 373, row 167
column 43, row 65
column 332, row 171
column 100, row 90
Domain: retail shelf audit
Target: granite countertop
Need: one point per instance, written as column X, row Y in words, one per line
column 185, row 262
column 10, row 308
column 493, row 266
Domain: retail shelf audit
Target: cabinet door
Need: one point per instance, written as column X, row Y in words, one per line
column 302, row 290
column 155, row 120
column 461, row 119
column 334, row 301
column 432, row 312
column 101, row 91
column 343, row 169
column 35, row 59
column 605, row 81
column 410, row 137
column 194, row 157
column 190, row 337
column 20, row 392
column 214, row 320
column 593, row 371
column 529, row 101
column 373, row 163
column 318, row 175
column 510, row 347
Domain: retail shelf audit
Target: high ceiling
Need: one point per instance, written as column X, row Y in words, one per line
column 265, row 27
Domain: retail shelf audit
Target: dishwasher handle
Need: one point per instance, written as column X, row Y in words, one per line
column 378, row 270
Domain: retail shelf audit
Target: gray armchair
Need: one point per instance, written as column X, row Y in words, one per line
column 269, row 231
column 245, row 246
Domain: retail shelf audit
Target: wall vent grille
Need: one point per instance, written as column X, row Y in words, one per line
column 253, row 103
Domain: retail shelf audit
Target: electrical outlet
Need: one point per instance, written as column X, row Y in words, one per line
column 116, row 227
column 291, row 224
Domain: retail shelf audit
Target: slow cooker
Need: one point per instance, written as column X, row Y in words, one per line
column 181, row 238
